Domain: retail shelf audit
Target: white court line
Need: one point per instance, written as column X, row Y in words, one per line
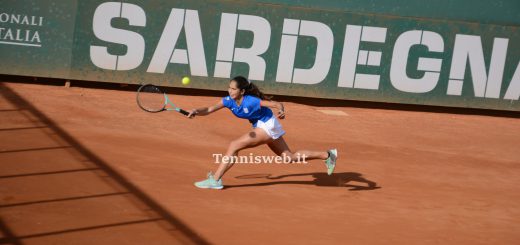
column 22, row 44
column 333, row 112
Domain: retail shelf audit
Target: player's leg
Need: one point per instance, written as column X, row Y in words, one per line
column 256, row 137
column 280, row 148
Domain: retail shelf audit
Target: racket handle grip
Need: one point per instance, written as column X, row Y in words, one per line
column 184, row 112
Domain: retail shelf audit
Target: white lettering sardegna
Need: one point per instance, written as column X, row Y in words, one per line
column 467, row 51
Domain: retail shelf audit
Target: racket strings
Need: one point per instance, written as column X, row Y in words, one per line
column 151, row 98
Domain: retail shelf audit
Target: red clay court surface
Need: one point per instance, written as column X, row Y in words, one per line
column 86, row 166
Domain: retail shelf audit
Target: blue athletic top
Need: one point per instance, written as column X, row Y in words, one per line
column 249, row 109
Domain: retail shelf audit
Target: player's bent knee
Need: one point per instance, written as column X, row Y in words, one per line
column 236, row 145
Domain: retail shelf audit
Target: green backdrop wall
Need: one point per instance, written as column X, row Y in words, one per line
column 449, row 53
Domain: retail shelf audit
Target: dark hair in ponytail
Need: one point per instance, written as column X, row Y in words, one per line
column 250, row 88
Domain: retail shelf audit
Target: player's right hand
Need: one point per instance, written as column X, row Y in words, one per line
column 193, row 113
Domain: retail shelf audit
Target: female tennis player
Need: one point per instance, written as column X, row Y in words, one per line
column 246, row 101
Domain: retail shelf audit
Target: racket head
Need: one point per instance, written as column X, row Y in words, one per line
column 151, row 98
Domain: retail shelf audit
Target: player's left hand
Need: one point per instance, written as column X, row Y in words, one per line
column 281, row 114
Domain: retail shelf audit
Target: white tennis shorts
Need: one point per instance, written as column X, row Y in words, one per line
column 272, row 127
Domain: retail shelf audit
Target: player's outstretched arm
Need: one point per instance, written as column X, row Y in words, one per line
column 206, row 110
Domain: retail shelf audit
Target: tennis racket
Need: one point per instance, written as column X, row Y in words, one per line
column 151, row 98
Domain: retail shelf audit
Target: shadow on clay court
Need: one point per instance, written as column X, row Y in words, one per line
column 21, row 197
column 352, row 181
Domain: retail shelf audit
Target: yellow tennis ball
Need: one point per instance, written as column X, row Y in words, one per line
column 185, row 80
